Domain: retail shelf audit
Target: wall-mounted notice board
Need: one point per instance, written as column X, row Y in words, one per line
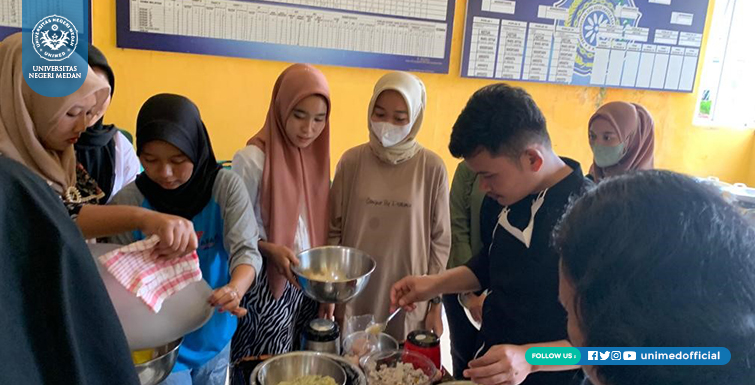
column 410, row 35
column 641, row 44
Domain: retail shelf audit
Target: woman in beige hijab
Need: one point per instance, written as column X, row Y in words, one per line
column 39, row 132
column 390, row 199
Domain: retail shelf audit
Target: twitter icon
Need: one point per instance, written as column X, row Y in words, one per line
column 604, row 356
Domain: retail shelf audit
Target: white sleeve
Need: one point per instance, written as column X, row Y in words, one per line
column 249, row 163
column 127, row 164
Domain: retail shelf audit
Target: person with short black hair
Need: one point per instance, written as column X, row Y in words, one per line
column 657, row 259
column 502, row 136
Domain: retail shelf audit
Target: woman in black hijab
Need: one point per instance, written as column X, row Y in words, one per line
column 106, row 154
column 181, row 177
column 175, row 120
column 58, row 325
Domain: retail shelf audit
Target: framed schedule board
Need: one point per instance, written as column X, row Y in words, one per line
column 640, row 44
column 410, row 35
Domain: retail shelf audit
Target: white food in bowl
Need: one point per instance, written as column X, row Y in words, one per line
column 401, row 374
column 325, row 276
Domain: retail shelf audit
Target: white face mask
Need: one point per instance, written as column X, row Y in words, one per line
column 390, row 134
column 525, row 236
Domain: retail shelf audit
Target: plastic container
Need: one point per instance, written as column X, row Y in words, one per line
column 426, row 343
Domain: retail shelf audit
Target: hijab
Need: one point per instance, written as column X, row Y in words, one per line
column 175, row 119
column 293, row 175
column 413, row 91
column 58, row 324
column 635, row 128
column 95, row 149
column 26, row 118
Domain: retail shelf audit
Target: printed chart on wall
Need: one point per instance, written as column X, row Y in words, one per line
column 10, row 18
column 641, row 44
column 409, row 35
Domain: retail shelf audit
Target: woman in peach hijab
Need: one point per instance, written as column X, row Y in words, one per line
column 621, row 139
column 286, row 168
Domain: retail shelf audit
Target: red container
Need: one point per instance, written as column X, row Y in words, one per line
column 425, row 343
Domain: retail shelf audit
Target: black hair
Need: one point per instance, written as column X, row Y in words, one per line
column 658, row 259
column 501, row 119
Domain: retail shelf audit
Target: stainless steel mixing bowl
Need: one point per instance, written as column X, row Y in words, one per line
column 290, row 366
column 351, row 266
column 157, row 369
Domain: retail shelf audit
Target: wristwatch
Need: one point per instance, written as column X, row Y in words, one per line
column 435, row 301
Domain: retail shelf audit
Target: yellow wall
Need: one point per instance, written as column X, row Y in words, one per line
column 233, row 96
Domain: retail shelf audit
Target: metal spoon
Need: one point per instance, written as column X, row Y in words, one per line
column 378, row 327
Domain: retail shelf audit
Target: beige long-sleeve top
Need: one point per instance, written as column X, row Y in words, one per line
column 398, row 214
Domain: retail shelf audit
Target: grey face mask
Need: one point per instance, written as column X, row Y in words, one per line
column 606, row 156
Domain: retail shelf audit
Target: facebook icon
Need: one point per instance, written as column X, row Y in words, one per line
column 592, row 355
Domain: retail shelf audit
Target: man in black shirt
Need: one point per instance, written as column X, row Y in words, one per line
column 502, row 135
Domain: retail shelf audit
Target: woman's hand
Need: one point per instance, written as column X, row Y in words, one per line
column 326, row 310
column 177, row 236
column 227, row 298
column 283, row 259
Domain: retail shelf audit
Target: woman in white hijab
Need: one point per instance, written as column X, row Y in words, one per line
column 390, row 199
column 39, row 132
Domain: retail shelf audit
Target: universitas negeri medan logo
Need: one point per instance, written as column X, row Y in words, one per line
column 55, row 38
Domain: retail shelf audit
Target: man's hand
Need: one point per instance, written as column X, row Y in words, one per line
column 411, row 289
column 474, row 304
column 502, row 364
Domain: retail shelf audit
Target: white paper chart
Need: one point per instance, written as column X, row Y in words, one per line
column 643, row 44
column 10, row 17
column 395, row 34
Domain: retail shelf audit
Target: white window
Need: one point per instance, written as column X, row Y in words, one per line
column 726, row 95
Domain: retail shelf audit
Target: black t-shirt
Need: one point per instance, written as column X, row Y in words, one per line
column 523, row 305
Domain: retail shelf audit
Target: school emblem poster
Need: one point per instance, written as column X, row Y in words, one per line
column 410, row 35
column 639, row 44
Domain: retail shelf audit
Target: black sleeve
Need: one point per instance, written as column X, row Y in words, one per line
column 480, row 263
column 58, row 324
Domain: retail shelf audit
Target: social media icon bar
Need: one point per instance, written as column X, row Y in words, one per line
column 653, row 356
